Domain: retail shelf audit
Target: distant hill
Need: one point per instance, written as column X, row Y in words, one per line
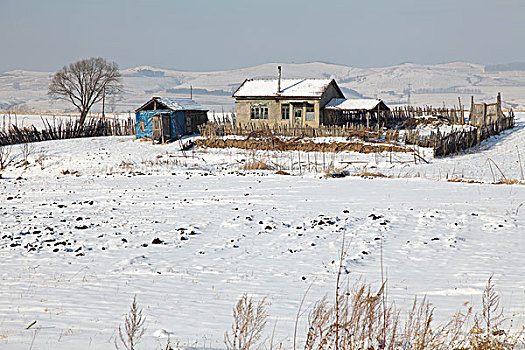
column 514, row 66
column 426, row 84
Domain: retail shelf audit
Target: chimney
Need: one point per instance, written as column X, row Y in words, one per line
column 279, row 80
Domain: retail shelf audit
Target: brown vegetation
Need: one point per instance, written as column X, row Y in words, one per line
column 133, row 330
column 359, row 319
column 272, row 143
column 249, row 320
column 256, row 164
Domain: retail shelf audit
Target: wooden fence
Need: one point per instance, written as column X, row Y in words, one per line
column 459, row 140
column 213, row 130
column 442, row 144
column 67, row 130
column 396, row 117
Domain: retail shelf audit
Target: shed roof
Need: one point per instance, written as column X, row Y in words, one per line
column 176, row 104
column 354, row 104
column 289, row 88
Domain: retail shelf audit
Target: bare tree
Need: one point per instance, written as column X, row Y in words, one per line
column 85, row 83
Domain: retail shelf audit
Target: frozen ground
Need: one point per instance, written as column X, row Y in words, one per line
column 77, row 233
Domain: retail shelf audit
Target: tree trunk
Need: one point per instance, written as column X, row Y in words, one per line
column 83, row 115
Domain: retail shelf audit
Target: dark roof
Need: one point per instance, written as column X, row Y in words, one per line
column 175, row 104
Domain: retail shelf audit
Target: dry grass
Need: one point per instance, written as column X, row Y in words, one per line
column 249, row 321
column 464, row 181
column 272, row 143
column 509, row 182
column 335, row 173
column 500, row 182
column 338, row 173
column 5, row 156
column 133, row 330
column 70, row 172
column 368, row 174
column 256, row 164
column 358, row 320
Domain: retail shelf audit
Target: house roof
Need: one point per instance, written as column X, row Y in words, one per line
column 176, row 104
column 289, row 88
column 354, row 104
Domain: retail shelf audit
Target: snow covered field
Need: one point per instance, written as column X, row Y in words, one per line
column 100, row 220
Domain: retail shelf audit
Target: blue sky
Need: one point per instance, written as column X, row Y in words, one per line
column 207, row 35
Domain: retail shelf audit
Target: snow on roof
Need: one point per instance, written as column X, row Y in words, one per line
column 289, row 88
column 180, row 104
column 361, row 103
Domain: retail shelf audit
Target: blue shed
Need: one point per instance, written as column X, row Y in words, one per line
column 164, row 118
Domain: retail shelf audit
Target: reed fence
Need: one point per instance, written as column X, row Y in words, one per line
column 443, row 144
column 391, row 119
column 67, row 130
column 459, row 140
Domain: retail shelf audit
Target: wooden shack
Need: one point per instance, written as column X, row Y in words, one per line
column 163, row 118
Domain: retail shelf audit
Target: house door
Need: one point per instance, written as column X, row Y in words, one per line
column 298, row 116
column 161, row 128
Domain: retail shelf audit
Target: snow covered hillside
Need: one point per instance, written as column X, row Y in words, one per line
column 428, row 84
column 90, row 223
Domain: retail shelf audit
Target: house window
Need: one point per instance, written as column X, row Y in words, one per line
column 264, row 112
column 285, row 111
column 259, row 111
column 310, row 114
column 254, row 114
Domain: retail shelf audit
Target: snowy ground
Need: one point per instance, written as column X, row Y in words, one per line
column 77, row 232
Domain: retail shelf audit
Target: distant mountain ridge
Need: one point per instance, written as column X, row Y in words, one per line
column 407, row 82
column 514, row 66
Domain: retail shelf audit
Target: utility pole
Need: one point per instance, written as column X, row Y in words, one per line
column 103, row 101
column 408, row 92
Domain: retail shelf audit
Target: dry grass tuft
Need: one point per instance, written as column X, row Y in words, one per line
column 256, row 164
column 5, row 156
column 339, row 173
column 70, row 172
column 509, row 182
column 468, row 181
column 336, row 173
column 368, row 174
column 501, row 182
column 249, row 321
column 133, row 330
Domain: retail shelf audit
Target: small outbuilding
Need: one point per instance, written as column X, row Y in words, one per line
column 164, row 118
column 340, row 111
